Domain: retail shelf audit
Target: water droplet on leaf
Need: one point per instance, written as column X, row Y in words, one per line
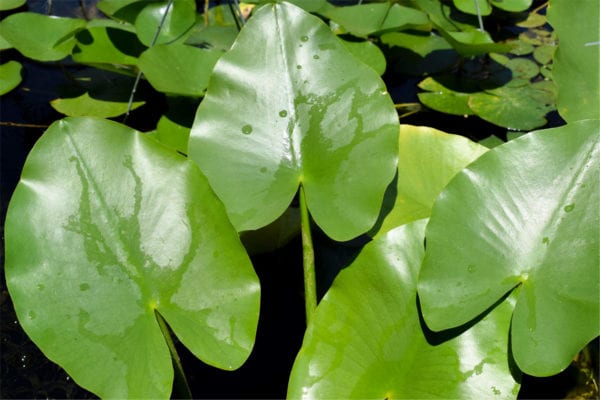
column 247, row 129
column 263, row 169
column 545, row 240
column 32, row 314
column 471, row 268
column 569, row 207
column 283, row 113
column 304, row 38
column 316, row 57
column 41, row 286
column 84, row 286
column 298, row 66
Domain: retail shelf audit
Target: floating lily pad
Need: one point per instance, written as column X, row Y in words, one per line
column 512, row 5
column 366, row 339
column 178, row 68
column 107, row 228
column 473, row 7
column 440, row 98
column 99, row 93
column 181, row 16
column 534, row 229
column 10, row 76
column 108, row 42
column 544, row 54
column 10, row 4
column 46, row 38
column 372, row 18
column 419, row 53
column 306, row 112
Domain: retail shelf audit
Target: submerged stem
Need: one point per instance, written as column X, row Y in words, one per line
column 308, row 255
column 181, row 389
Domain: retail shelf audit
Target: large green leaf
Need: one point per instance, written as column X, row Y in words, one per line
column 524, row 214
column 41, row 37
column 473, row 7
column 106, row 228
column 577, row 59
column 366, row 340
column 178, row 68
column 289, row 105
column 428, row 159
column 10, row 4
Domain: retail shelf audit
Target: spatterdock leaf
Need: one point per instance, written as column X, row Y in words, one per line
column 524, row 214
column 289, row 105
column 366, row 340
column 106, row 228
column 428, row 159
column 577, row 58
column 41, row 37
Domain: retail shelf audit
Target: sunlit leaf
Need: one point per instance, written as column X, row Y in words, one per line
column 473, row 7
column 106, row 228
column 181, row 16
column 289, row 105
column 10, row 76
column 41, row 37
column 178, row 68
column 366, row 340
column 107, row 42
column 577, row 59
column 427, row 160
column 10, row 4
column 367, row 19
column 525, row 215
column 512, row 5
column 97, row 93
column 368, row 53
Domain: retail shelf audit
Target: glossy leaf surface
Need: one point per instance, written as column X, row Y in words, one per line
column 10, row 76
column 105, row 228
column 577, row 59
column 289, row 105
column 427, row 161
column 41, row 37
column 473, row 7
column 496, row 227
column 178, row 68
column 366, row 340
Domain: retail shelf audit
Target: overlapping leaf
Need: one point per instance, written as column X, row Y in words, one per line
column 41, row 37
column 106, row 228
column 524, row 214
column 428, row 159
column 366, row 340
column 289, row 105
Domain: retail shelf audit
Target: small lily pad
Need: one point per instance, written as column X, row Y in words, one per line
column 10, row 76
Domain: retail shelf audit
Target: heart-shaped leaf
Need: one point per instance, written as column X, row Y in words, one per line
column 523, row 214
column 428, row 159
column 106, row 228
column 577, row 59
column 41, row 37
column 366, row 339
column 289, row 105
